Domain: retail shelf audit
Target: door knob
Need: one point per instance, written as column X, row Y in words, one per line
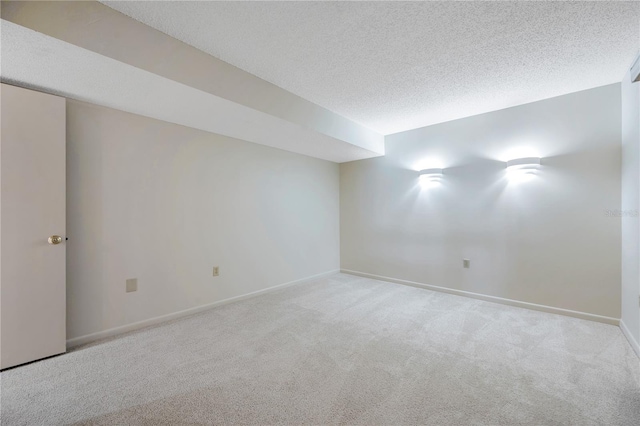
column 55, row 239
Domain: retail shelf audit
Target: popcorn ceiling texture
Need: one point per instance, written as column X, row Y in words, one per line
column 37, row 61
column 394, row 66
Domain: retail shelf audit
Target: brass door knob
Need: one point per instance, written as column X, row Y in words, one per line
column 55, row 239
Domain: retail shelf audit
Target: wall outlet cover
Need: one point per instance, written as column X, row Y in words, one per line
column 132, row 285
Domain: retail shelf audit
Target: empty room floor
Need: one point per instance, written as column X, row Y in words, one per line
column 340, row 350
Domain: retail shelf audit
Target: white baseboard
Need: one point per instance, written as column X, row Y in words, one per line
column 634, row 344
column 510, row 302
column 88, row 338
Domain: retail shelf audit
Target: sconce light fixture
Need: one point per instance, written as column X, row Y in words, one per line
column 523, row 168
column 430, row 177
column 529, row 162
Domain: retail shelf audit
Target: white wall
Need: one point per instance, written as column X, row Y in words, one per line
column 547, row 241
column 165, row 203
column 630, row 205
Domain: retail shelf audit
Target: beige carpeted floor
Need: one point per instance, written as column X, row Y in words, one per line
column 341, row 350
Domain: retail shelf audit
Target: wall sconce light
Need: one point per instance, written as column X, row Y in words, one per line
column 523, row 168
column 430, row 177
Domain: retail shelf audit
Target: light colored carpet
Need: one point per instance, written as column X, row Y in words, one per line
column 341, row 350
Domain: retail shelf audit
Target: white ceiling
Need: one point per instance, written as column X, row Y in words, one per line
column 394, row 66
column 37, row 61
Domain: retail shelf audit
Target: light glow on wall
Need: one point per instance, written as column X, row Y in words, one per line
column 526, row 151
column 428, row 163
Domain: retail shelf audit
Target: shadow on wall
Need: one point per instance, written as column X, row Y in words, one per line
column 539, row 235
column 546, row 240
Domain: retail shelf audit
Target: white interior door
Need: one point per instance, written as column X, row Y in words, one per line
column 32, row 209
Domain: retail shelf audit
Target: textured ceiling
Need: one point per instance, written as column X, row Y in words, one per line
column 394, row 66
column 37, row 61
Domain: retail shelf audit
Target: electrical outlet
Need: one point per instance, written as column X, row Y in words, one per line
column 216, row 271
column 132, row 285
column 466, row 263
